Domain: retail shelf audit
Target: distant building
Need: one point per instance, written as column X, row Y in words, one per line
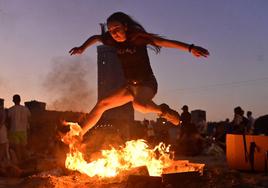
column 111, row 78
column 35, row 106
column 198, row 116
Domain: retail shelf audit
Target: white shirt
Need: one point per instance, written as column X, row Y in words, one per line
column 251, row 122
column 19, row 116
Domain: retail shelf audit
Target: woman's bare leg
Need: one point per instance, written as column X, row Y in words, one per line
column 143, row 103
column 143, row 100
column 146, row 107
column 118, row 98
column 162, row 110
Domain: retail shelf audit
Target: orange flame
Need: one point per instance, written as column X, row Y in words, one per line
column 135, row 153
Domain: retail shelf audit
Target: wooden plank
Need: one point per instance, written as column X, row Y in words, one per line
column 235, row 152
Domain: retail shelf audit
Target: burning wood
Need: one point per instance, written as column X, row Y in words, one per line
column 184, row 166
column 113, row 162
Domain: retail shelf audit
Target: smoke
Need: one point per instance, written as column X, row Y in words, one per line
column 3, row 85
column 68, row 84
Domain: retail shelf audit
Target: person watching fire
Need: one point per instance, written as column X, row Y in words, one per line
column 18, row 117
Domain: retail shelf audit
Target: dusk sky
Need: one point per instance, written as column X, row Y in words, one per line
column 36, row 35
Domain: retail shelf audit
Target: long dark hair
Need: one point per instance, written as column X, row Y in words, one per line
column 134, row 30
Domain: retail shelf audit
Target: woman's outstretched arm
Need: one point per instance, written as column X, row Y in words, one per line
column 195, row 50
column 90, row 41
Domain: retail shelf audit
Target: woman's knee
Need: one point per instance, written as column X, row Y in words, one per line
column 141, row 107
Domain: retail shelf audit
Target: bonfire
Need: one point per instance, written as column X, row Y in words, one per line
column 135, row 153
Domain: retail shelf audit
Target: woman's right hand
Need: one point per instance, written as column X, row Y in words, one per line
column 76, row 50
column 198, row 51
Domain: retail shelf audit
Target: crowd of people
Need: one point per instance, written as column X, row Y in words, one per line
column 189, row 138
column 194, row 138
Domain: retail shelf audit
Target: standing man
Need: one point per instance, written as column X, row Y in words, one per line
column 186, row 126
column 251, row 122
column 4, row 156
column 18, row 117
column 185, row 116
column 240, row 122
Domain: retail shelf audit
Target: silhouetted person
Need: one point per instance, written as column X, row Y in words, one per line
column 4, row 155
column 251, row 122
column 240, row 122
column 186, row 125
column 261, row 126
column 189, row 142
column 18, row 116
column 227, row 126
column 131, row 40
column 185, row 115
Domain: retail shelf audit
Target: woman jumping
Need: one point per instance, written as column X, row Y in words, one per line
column 130, row 40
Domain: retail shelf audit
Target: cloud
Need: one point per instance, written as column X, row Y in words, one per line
column 68, row 84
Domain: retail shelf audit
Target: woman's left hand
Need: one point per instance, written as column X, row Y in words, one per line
column 198, row 51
